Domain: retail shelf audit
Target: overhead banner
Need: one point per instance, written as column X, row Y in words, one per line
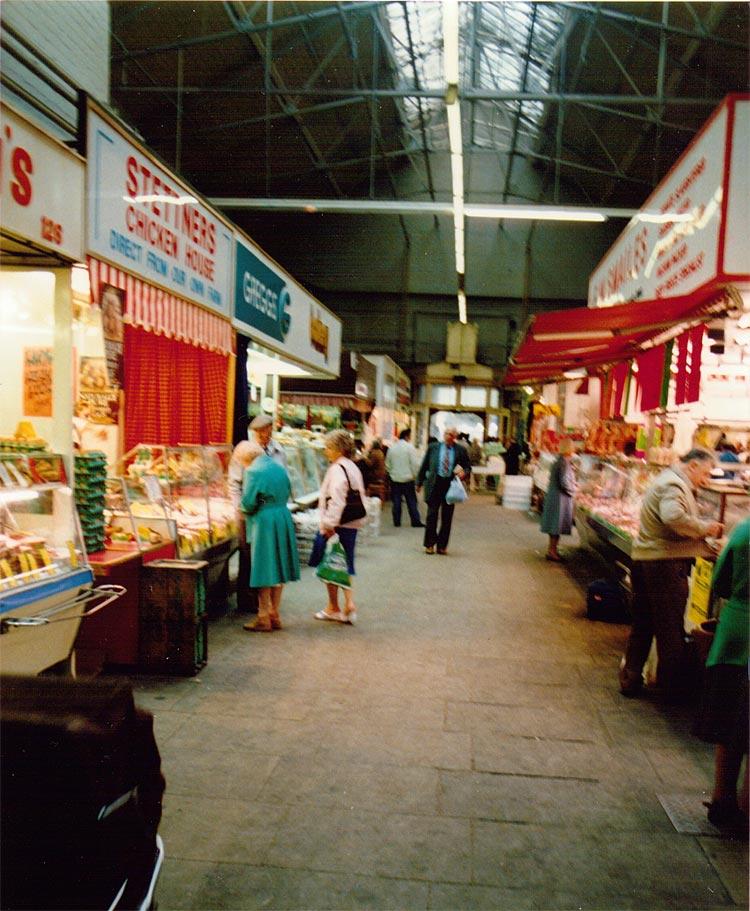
column 692, row 231
column 273, row 309
column 42, row 187
column 145, row 220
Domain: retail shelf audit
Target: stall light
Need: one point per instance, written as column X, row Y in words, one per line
column 460, row 262
column 574, row 374
column 528, row 390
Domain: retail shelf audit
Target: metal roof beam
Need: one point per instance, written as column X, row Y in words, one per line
column 514, row 139
column 245, row 29
column 478, row 94
column 607, row 11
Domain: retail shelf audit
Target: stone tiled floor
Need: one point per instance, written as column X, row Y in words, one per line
column 464, row 746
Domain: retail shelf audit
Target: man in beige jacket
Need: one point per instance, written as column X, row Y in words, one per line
column 670, row 536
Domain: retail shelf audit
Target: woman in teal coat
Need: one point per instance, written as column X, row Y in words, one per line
column 723, row 718
column 270, row 534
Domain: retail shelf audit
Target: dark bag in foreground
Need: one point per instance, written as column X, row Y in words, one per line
column 355, row 508
column 605, row 601
column 81, row 795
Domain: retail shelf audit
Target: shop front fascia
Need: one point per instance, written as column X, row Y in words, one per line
column 282, row 332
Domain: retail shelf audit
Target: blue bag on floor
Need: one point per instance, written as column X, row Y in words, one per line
column 605, row 601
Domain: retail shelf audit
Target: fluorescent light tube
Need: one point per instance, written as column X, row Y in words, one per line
column 454, row 128
column 457, row 173
column 460, row 262
column 450, row 41
column 535, row 213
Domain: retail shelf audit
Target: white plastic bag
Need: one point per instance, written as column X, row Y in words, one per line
column 456, row 492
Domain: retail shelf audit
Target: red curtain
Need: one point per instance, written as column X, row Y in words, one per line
column 689, row 352
column 174, row 392
column 650, row 376
column 620, row 374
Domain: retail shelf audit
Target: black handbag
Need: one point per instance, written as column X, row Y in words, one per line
column 355, row 508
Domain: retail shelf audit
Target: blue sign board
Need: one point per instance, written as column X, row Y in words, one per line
column 261, row 296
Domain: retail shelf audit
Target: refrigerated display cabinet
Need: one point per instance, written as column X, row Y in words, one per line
column 46, row 581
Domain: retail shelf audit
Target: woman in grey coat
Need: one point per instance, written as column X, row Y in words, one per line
column 557, row 515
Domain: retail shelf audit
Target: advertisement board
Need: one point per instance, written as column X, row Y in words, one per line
column 145, row 220
column 692, row 230
column 42, row 187
column 273, row 309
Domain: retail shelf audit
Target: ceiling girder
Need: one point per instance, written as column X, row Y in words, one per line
column 245, row 29
column 478, row 94
column 608, row 12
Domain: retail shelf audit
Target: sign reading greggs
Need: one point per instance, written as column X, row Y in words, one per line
column 42, row 187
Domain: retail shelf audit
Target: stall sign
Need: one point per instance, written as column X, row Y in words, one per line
column 690, row 232
column 42, row 187
column 145, row 220
column 37, row 382
column 273, row 309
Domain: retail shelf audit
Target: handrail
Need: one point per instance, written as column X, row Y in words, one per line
column 109, row 593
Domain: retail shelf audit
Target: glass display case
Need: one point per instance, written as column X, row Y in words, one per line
column 610, row 491
column 307, row 463
column 123, row 531
column 608, row 500
column 725, row 502
column 542, row 469
column 184, row 484
column 45, row 577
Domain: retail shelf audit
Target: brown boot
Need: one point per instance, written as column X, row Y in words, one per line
column 276, row 622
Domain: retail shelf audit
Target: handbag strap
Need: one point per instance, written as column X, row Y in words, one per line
column 347, row 477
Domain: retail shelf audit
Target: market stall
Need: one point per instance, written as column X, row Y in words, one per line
column 46, row 582
column 284, row 334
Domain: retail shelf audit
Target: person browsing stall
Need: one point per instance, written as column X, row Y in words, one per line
column 341, row 477
column 274, row 560
column 242, row 456
column 442, row 462
column 402, row 465
column 261, row 427
column 670, row 536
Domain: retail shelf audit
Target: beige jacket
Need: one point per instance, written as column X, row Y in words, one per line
column 670, row 525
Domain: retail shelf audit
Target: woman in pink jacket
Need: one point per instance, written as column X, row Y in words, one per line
column 341, row 475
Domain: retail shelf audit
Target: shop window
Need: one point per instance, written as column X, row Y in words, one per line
column 494, row 398
column 474, row 397
column 444, row 395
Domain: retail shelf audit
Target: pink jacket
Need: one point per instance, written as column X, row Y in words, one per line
column 333, row 493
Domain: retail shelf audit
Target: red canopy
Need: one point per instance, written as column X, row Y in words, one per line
column 563, row 340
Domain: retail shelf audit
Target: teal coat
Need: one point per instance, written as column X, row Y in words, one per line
column 731, row 580
column 557, row 513
column 270, row 530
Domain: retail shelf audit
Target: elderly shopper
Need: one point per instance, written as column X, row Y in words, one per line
column 723, row 718
column 442, row 462
column 557, row 515
column 270, row 534
column 261, row 428
column 670, row 536
column 402, row 465
column 341, row 477
column 242, row 456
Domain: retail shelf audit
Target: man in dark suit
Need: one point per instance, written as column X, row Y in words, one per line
column 441, row 463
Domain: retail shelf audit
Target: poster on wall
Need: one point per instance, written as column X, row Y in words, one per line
column 112, row 305
column 98, row 400
column 37, row 382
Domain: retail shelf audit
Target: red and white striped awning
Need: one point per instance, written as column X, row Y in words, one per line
column 160, row 312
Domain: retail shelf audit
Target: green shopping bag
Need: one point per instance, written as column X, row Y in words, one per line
column 333, row 568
